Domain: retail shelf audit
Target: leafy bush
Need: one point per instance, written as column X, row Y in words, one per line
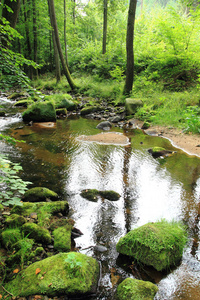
column 192, row 119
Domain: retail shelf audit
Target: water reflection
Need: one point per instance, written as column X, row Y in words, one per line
column 150, row 190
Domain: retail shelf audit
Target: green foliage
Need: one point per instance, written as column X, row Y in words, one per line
column 11, row 185
column 192, row 119
column 74, row 266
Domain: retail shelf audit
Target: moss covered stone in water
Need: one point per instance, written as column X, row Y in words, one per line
column 158, row 244
column 110, row 195
column 92, row 195
column 133, row 289
column 38, row 194
column 40, row 112
column 65, row 273
column 62, row 238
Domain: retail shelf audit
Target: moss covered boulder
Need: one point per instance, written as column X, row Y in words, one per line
column 50, row 207
column 159, row 151
column 158, row 244
column 10, row 236
column 93, row 194
column 62, row 274
column 40, row 112
column 37, row 233
column 62, row 238
column 90, row 109
column 24, row 103
column 38, row 194
column 132, row 105
column 15, row 220
column 133, row 289
column 110, row 195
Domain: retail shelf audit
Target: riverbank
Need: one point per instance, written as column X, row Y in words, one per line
column 189, row 143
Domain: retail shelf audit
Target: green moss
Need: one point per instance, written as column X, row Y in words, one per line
column 158, row 149
column 15, row 220
column 88, row 110
column 133, row 289
column 61, row 222
column 24, row 103
column 38, row 194
column 23, row 252
column 65, row 273
column 110, row 195
column 51, row 207
column 1, row 207
column 157, row 244
column 37, row 233
column 61, row 111
column 62, row 101
column 90, row 194
column 62, row 238
column 40, row 112
column 10, row 236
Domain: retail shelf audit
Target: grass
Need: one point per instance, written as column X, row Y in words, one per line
column 161, row 107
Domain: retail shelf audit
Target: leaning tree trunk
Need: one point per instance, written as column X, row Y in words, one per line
column 129, row 48
column 65, row 27
column 55, row 27
column 105, row 14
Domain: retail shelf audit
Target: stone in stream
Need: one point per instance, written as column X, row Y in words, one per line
column 40, row 112
column 134, row 289
column 105, row 125
column 158, row 244
column 38, row 194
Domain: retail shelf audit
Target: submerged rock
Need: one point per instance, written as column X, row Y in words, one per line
column 158, row 244
column 38, row 194
column 159, row 151
column 62, row 274
column 40, row 112
column 134, row 289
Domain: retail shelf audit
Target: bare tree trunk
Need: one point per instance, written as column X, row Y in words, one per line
column 35, row 37
column 56, row 57
column 65, row 36
column 55, row 27
column 73, row 12
column 129, row 48
column 11, row 16
column 28, row 52
column 105, row 19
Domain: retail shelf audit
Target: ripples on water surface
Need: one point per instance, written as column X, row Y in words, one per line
column 150, row 190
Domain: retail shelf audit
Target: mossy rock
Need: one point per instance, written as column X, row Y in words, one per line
column 16, row 95
column 90, row 194
column 37, row 233
column 24, row 103
column 134, row 289
column 62, row 238
column 15, row 220
column 110, row 195
column 2, row 113
column 158, row 244
column 61, row 111
column 61, row 222
column 62, row 274
column 40, row 112
column 67, row 104
column 51, row 207
column 89, row 109
column 1, row 207
column 38, row 194
column 132, row 105
column 10, row 236
column 22, row 251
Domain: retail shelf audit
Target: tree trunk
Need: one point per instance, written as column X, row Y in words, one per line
column 11, row 16
column 105, row 14
column 55, row 27
column 28, row 69
column 73, row 11
column 65, row 36
column 129, row 48
column 35, row 36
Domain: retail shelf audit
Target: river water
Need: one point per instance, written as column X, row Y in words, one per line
column 150, row 189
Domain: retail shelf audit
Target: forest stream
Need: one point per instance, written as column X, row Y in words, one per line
column 150, row 189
